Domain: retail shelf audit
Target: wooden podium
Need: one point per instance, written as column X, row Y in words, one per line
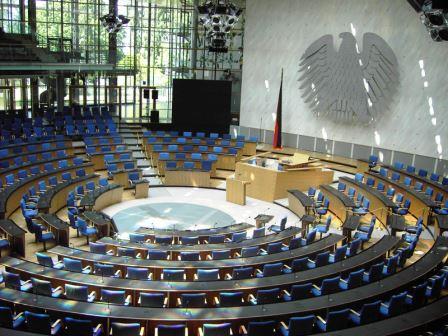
column 236, row 191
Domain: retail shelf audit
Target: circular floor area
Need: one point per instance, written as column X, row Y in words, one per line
column 170, row 215
column 184, row 208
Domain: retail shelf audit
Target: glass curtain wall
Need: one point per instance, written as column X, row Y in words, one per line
column 162, row 41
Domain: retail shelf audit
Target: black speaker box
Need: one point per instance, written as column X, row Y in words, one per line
column 154, row 116
column 155, row 94
column 146, row 93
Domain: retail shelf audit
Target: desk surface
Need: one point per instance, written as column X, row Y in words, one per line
column 199, row 233
column 347, row 201
column 5, row 194
column 366, row 257
column 418, row 195
column 417, row 271
column 46, row 198
column 382, row 197
column 90, row 197
column 54, row 221
column 97, row 217
column 320, row 245
column 302, row 197
column 401, row 323
column 11, row 228
column 275, row 237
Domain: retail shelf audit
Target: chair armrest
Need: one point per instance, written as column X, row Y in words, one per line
column 321, row 319
column 205, row 241
column 195, row 277
column 110, row 252
column 283, row 324
column 343, row 280
column 354, row 312
column 87, row 268
column 18, row 315
column 284, row 245
column 178, row 302
column 58, row 321
column 150, row 276
column 27, row 282
column 227, row 277
column 258, row 271
column 98, row 327
column 178, row 258
column 243, row 330
column 251, row 297
column 287, row 267
column 216, row 300
column 311, row 261
column 92, row 295
column 384, row 305
column 142, row 331
column 138, row 255
column 262, row 250
column 58, row 288
column 209, row 257
column 118, row 273
column 237, row 255
column 200, row 332
column 128, row 299
column 286, row 292
column 227, row 240
column 165, row 301
column 315, row 286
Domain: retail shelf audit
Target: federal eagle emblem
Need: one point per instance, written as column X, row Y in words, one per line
column 349, row 85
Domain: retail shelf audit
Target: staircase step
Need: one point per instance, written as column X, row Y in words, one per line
column 143, row 163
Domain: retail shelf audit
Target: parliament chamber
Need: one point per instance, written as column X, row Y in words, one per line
column 154, row 184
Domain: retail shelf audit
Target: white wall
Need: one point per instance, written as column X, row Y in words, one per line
column 278, row 31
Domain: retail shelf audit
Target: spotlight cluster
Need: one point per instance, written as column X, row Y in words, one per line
column 218, row 18
column 113, row 23
column 435, row 18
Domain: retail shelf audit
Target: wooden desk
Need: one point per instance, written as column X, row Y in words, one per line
column 192, row 178
column 11, row 196
column 15, row 234
column 380, row 205
column 60, row 229
column 236, row 191
column 161, row 165
column 340, row 203
column 154, row 316
column 121, row 177
column 141, row 189
column 98, row 158
column 103, row 223
column 421, row 206
column 55, row 199
column 102, row 197
column 299, row 203
column 351, row 224
column 268, row 184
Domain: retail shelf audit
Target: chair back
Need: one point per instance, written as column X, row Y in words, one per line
column 302, row 325
column 221, row 329
column 41, row 287
column 322, row 259
column 96, row 247
column 193, row 300
column 78, row 293
column 189, row 256
column 301, row 291
column 370, row 312
column 189, row 240
column 300, row 264
column 337, row 319
column 152, row 300
column 272, row 269
column 137, row 273
column 258, row 233
column 157, row 255
column 238, row 237
column 72, row 265
column 330, row 285
column 6, row 318
column 171, row 330
column 355, row 279
column 75, row 327
column 125, row 329
column 231, row 299
column 12, row 280
column 216, row 239
column 173, row 275
column 113, row 296
column 265, row 328
column 221, row 255
column 250, row 251
column 126, row 252
column 242, row 273
column 274, row 247
column 267, row 296
column 44, row 259
column 397, row 304
column 104, row 270
column 38, row 323
column 208, row 274
column 340, row 252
